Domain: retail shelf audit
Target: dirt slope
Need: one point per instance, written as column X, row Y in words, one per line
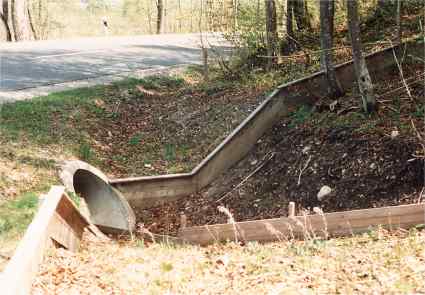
column 366, row 161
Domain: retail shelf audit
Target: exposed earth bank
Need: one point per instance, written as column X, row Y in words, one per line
column 366, row 161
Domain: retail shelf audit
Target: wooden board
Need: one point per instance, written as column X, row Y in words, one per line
column 329, row 224
column 149, row 191
column 57, row 220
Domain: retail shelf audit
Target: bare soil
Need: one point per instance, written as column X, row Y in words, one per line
column 165, row 127
column 367, row 162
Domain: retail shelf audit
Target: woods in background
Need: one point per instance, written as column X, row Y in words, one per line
column 263, row 31
column 17, row 22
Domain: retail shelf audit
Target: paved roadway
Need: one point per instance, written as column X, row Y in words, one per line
column 31, row 65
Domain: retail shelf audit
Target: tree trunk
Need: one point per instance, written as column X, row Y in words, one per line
column 5, row 18
column 20, row 19
column 31, row 23
column 289, row 24
column 271, row 32
column 235, row 15
column 191, row 16
column 398, row 22
column 160, row 16
column 165, row 17
column 180, row 15
column 326, row 42
column 209, row 9
column 149, row 14
column 380, row 8
column 301, row 14
column 363, row 78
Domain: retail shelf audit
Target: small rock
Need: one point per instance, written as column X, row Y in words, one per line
column 394, row 134
column 372, row 166
column 253, row 163
column 324, row 192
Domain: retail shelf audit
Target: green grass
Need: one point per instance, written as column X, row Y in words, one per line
column 299, row 116
column 33, row 118
column 36, row 134
column 16, row 215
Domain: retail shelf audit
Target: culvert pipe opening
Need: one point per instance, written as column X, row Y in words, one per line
column 108, row 209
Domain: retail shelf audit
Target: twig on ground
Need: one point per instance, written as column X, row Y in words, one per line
column 400, row 69
column 403, row 87
column 390, row 108
column 265, row 161
column 417, row 133
column 117, row 107
column 303, row 169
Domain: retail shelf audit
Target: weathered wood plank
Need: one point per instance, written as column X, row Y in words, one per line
column 145, row 192
column 329, row 224
column 63, row 234
column 57, row 219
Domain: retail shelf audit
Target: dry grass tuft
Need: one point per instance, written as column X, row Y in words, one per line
column 378, row 262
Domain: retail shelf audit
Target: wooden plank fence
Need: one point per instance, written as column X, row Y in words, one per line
column 57, row 223
column 343, row 223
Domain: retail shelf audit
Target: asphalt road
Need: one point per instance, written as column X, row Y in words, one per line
column 33, row 64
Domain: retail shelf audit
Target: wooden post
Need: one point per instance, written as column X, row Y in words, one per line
column 183, row 221
column 58, row 222
column 291, row 210
column 205, row 62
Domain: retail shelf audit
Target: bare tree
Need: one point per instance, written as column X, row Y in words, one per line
column 271, row 32
column 4, row 16
column 165, row 17
column 398, row 21
column 363, row 78
column 380, row 8
column 20, row 19
column 31, row 24
column 327, row 9
column 179, row 3
column 301, row 14
column 289, row 26
column 160, row 16
column 149, row 14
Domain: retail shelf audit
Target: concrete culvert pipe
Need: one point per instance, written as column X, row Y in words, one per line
column 108, row 209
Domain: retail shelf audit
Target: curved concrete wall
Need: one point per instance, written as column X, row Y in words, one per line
column 143, row 192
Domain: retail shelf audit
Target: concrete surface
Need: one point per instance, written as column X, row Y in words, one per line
column 28, row 69
column 106, row 207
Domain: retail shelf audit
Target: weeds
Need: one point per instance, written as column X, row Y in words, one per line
column 136, row 139
column 85, row 152
column 16, row 215
column 170, row 152
column 299, row 116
